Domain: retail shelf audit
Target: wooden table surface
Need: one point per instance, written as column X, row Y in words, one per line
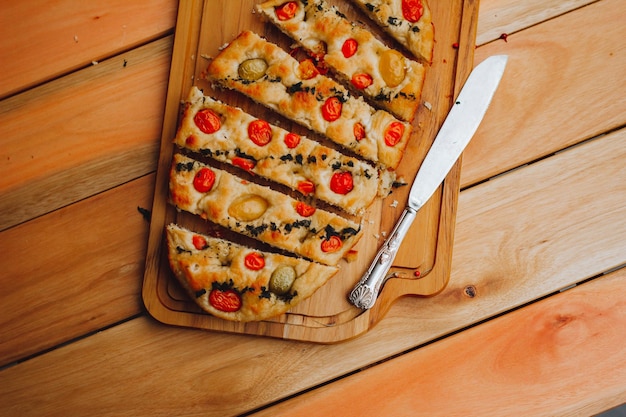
column 532, row 322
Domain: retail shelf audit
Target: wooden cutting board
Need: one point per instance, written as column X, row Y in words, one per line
column 422, row 267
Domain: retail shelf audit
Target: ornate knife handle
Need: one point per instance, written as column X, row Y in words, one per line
column 366, row 290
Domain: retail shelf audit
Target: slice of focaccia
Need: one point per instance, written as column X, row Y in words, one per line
column 408, row 21
column 269, row 75
column 383, row 75
column 228, row 134
column 238, row 283
column 259, row 212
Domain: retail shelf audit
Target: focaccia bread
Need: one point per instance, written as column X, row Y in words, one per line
column 234, row 282
column 259, row 212
column 270, row 76
column 384, row 76
column 229, row 134
column 408, row 21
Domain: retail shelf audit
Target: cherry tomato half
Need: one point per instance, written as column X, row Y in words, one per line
column 304, row 209
column 306, row 187
column 393, row 133
column 307, row 69
column 341, row 182
column 243, row 163
column 412, row 10
column 359, row 131
column 349, row 47
column 286, row 11
column 207, row 121
column 227, row 301
column 331, row 109
column 199, row 242
column 260, row 132
column 254, row 261
column 204, row 180
column 361, row 81
column 332, row 244
column 292, row 140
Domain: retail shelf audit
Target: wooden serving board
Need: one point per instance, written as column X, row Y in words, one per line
column 422, row 266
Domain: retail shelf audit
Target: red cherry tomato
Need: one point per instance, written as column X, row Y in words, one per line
column 332, row 244
column 349, row 47
column 199, row 242
column 412, row 10
column 260, row 132
column 393, row 133
column 304, row 209
column 227, row 301
column 306, row 187
column 243, row 163
column 286, row 11
column 207, row 121
column 254, row 261
column 361, row 81
column 359, row 131
column 331, row 109
column 341, row 182
column 292, row 140
column 204, row 180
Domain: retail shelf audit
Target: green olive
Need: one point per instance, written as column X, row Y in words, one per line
column 252, row 69
column 391, row 66
column 282, row 279
column 248, row 207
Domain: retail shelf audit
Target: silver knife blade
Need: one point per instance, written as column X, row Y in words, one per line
column 455, row 133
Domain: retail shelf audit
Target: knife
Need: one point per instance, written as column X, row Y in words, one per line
column 455, row 133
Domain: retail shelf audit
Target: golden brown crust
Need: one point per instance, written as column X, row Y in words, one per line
column 286, row 88
column 278, row 156
column 215, row 274
column 354, row 54
column 417, row 37
column 262, row 213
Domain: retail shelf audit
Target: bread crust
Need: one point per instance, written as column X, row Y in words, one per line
column 418, row 37
column 262, row 213
column 285, row 89
column 220, row 265
column 280, row 159
column 324, row 31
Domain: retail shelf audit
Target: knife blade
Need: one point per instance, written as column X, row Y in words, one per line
column 460, row 125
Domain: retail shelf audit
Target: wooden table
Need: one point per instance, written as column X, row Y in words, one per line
column 532, row 322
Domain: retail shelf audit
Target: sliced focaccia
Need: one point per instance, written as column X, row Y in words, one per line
column 383, row 75
column 408, row 21
column 238, row 283
column 231, row 135
column 269, row 75
column 259, row 212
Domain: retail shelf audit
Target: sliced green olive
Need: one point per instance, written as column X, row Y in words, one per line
column 282, row 279
column 252, row 69
column 248, row 207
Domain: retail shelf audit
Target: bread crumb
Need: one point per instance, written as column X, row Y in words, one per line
column 428, row 105
column 394, row 204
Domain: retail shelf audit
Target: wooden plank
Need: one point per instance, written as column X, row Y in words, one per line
column 100, row 128
column 72, row 271
column 43, row 41
column 509, row 16
column 253, row 371
column 540, row 360
column 558, row 89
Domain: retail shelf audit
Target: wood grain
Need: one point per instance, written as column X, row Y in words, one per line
column 239, row 365
column 93, row 135
column 536, row 113
column 41, row 41
column 575, row 342
column 73, row 271
column 510, row 16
